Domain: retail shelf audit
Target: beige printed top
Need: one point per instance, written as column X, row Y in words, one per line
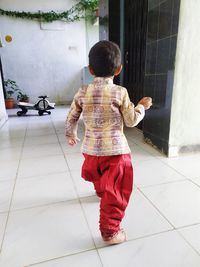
column 105, row 107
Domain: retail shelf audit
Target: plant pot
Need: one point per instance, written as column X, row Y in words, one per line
column 10, row 103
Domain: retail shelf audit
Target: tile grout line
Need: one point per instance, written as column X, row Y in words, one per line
column 12, row 194
column 61, row 257
column 186, row 178
column 165, row 183
column 78, row 198
column 101, row 247
column 156, row 208
column 188, row 242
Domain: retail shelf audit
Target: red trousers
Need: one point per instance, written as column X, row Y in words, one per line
column 112, row 177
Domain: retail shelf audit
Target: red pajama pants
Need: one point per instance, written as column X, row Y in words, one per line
column 112, row 177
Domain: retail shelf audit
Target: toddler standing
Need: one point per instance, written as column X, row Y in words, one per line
column 106, row 107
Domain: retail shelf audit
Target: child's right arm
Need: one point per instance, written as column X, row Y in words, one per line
column 71, row 123
column 133, row 115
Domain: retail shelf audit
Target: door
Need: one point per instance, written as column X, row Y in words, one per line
column 135, row 28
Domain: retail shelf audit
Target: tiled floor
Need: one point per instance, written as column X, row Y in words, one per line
column 49, row 215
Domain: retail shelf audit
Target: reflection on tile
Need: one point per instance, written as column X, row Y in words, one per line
column 179, row 201
column 151, row 58
column 175, row 18
column 152, row 31
column 149, row 86
column 162, row 64
column 160, row 92
column 162, row 32
column 165, row 19
column 43, row 190
column 45, row 233
column 163, row 250
column 153, row 3
column 84, row 259
column 172, row 55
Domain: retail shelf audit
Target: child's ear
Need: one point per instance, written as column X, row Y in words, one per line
column 118, row 70
column 91, row 70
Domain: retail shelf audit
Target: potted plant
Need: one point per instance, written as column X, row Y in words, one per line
column 11, row 88
column 22, row 97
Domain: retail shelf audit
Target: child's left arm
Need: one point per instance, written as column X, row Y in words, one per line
column 71, row 123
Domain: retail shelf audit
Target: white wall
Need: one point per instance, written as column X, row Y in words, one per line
column 185, row 114
column 45, row 61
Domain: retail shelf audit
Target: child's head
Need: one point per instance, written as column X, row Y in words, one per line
column 105, row 59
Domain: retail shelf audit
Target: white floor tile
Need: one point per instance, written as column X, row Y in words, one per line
column 179, row 202
column 84, row 188
column 40, row 151
column 40, row 131
column 154, row 172
column 84, row 259
column 6, row 188
column 67, row 149
column 40, row 140
column 142, row 218
column 43, row 190
column 192, row 234
column 187, row 165
column 11, row 143
column 91, row 209
column 163, row 250
column 47, row 228
column 139, row 154
column 7, row 154
column 42, row 166
column 8, row 169
column 3, row 218
column 196, row 181
column 12, row 134
column 150, row 149
column 39, row 234
column 75, row 161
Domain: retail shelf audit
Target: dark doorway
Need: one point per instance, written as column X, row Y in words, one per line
column 127, row 28
column 135, row 28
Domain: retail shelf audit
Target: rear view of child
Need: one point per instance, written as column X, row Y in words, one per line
column 106, row 107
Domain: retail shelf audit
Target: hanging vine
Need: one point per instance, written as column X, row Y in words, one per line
column 75, row 13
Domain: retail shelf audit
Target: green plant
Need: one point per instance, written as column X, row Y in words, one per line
column 75, row 13
column 22, row 96
column 11, row 88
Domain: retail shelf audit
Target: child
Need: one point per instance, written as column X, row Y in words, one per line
column 105, row 108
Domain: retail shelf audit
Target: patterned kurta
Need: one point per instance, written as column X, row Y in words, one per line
column 105, row 107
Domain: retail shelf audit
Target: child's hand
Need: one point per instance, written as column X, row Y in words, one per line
column 146, row 102
column 72, row 140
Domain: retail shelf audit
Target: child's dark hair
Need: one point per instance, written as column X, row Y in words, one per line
column 104, row 58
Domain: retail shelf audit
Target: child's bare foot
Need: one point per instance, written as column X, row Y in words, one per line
column 118, row 238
